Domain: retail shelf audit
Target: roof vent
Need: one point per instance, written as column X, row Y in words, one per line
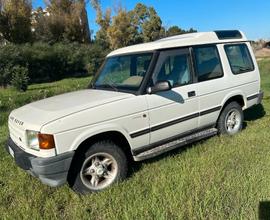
column 228, row 34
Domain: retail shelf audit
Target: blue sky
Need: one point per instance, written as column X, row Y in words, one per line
column 250, row 16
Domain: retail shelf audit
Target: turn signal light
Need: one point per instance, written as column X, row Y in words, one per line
column 46, row 141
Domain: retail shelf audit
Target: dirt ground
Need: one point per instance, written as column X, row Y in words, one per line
column 262, row 53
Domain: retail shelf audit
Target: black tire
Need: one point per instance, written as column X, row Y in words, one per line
column 222, row 120
column 77, row 180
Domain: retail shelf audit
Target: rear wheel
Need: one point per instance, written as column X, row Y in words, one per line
column 103, row 164
column 231, row 119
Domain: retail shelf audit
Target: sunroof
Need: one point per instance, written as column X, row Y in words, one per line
column 230, row 34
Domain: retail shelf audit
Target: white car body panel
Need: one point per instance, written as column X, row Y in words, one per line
column 127, row 118
column 169, row 106
column 74, row 117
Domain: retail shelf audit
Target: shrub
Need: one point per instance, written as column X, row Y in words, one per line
column 54, row 62
column 10, row 55
column 5, row 75
column 47, row 63
column 19, row 78
column 93, row 58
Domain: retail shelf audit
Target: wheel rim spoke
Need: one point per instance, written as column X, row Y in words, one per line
column 87, row 172
column 106, row 161
column 95, row 159
column 109, row 175
column 94, row 181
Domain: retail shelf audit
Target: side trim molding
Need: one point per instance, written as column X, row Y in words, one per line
column 173, row 122
column 139, row 133
column 176, row 121
column 208, row 111
column 252, row 97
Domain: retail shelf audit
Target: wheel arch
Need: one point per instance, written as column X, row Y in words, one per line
column 238, row 97
column 115, row 136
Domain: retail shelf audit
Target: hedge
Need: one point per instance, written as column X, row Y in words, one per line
column 46, row 62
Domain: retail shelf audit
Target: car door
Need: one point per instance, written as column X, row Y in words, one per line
column 173, row 112
column 212, row 85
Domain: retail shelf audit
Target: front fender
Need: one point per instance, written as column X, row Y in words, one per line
column 98, row 129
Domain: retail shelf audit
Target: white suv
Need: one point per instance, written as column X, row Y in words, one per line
column 147, row 99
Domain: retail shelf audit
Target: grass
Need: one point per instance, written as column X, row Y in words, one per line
column 219, row 178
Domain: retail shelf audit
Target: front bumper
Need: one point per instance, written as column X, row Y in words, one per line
column 260, row 97
column 51, row 171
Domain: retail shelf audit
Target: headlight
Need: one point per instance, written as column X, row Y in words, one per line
column 37, row 141
column 32, row 139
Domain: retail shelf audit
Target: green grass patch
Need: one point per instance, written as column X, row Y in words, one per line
column 219, row 178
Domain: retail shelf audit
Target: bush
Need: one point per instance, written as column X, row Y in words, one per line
column 19, row 78
column 5, row 75
column 47, row 63
column 10, row 56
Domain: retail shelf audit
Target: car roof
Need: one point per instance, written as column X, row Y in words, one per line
column 183, row 40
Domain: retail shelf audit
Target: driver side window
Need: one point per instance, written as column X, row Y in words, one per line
column 174, row 66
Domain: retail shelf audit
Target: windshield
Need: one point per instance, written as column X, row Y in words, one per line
column 123, row 72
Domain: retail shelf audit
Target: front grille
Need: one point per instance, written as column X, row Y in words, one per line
column 17, row 134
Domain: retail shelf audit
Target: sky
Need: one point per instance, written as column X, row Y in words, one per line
column 250, row 16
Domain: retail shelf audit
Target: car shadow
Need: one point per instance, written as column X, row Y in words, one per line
column 253, row 113
column 264, row 210
column 172, row 95
column 135, row 166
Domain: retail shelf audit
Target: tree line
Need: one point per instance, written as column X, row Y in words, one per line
column 54, row 42
column 66, row 21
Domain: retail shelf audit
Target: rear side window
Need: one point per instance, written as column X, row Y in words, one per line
column 207, row 62
column 239, row 58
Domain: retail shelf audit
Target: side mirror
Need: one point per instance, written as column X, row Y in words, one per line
column 160, row 86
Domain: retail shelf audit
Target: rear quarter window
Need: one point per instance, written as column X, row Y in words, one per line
column 207, row 63
column 239, row 58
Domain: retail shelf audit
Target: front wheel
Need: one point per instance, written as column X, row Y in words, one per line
column 103, row 164
column 231, row 119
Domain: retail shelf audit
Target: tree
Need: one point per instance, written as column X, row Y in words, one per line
column 139, row 15
column 104, row 21
column 60, row 6
column 121, row 32
column 86, row 35
column 152, row 27
column 191, row 30
column 63, row 20
column 40, row 26
column 175, row 30
column 147, row 22
column 76, row 23
column 15, row 20
column 77, row 26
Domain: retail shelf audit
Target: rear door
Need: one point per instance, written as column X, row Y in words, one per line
column 211, row 83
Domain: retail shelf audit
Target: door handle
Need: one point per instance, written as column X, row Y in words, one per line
column 191, row 93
